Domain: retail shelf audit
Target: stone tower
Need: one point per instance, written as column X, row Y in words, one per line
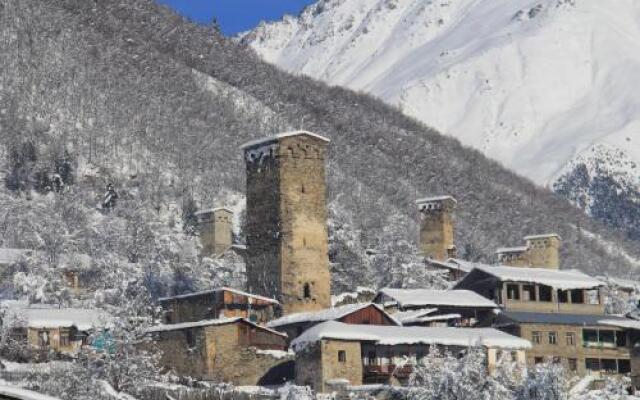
column 286, row 227
column 436, row 227
column 215, row 227
column 544, row 251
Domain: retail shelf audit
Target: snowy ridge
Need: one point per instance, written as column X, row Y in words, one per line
column 532, row 84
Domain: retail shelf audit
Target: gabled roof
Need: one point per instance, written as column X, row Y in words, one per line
column 518, row 249
column 51, row 317
column 434, row 199
column 328, row 314
column 279, row 136
column 406, row 317
column 430, row 297
column 208, row 322
column 457, row 264
column 543, row 236
column 221, row 289
column 398, row 335
column 566, row 319
column 558, row 279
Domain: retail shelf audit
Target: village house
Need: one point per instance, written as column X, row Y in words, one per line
column 218, row 303
column 47, row 329
column 365, row 354
column 233, row 350
column 428, row 307
column 561, row 312
column 363, row 314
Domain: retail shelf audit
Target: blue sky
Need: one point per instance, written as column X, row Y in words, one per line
column 236, row 15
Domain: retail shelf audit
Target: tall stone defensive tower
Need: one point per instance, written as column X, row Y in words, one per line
column 286, row 226
column 544, row 251
column 215, row 227
column 436, row 227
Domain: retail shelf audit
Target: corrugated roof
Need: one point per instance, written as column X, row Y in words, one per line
column 226, row 289
column 430, row 297
column 559, row 279
column 561, row 318
column 279, row 136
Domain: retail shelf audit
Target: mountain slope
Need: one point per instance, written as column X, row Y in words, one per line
column 536, row 85
column 141, row 98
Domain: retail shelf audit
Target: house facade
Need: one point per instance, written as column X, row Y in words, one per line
column 358, row 354
column 216, row 304
column 295, row 325
column 231, row 350
column 561, row 312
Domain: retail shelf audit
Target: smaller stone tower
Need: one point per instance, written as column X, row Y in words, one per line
column 544, row 251
column 215, row 227
column 436, row 227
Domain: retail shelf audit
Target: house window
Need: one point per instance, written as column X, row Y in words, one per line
column 513, row 292
column 563, row 296
column 306, row 291
column 342, row 356
column 621, row 339
column 577, row 296
column 573, row 364
column 538, row 360
column 553, row 338
column 529, row 293
column 302, row 190
column 592, row 364
column 624, row 366
column 371, row 358
column 545, row 293
column 609, row 365
column 556, row 360
column 43, row 338
column 535, row 337
column 571, row 338
column 64, row 339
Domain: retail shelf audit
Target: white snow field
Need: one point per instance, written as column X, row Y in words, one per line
column 534, row 84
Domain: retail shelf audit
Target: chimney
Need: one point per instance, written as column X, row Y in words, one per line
column 436, row 227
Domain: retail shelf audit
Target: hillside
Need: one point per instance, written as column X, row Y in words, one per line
column 540, row 86
column 97, row 92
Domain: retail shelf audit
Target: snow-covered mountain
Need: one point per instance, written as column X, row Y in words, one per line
column 535, row 84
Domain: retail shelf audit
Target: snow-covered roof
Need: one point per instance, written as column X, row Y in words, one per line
column 624, row 284
column 412, row 315
column 50, row 317
column 10, row 256
column 517, row 249
column 622, row 323
column 434, row 199
column 281, row 136
column 328, row 314
column 212, row 210
column 360, row 290
column 543, row 236
column 205, row 323
column 13, row 392
column 225, row 289
column 397, row 335
column 455, row 263
column 559, row 279
column 430, row 297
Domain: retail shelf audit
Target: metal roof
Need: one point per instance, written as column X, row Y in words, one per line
column 559, row 318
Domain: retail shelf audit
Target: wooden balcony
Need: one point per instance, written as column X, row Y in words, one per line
column 382, row 373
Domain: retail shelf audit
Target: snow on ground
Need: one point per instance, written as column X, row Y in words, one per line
column 22, row 394
column 533, row 84
column 611, row 248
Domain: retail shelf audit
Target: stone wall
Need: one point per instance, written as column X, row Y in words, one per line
column 565, row 351
column 333, row 368
column 437, row 231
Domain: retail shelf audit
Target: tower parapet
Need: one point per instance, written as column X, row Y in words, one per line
column 287, row 236
column 437, row 227
column 541, row 251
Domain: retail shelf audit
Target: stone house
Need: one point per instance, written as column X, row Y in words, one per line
column 46, row 329
column 361, row 354
column 457, row 307
column 561, row 312
column 363, row 314
column 217, row 304
column 233, row 350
